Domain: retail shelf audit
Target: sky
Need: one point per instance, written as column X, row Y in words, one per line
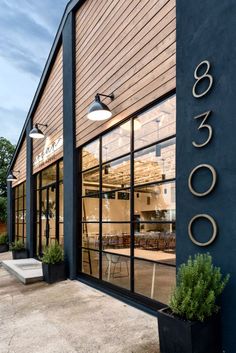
column 27, row 28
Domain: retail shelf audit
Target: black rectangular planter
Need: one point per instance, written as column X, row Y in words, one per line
column 54, row 272
column 4, row 248
column 180, row 336
column 20, row 254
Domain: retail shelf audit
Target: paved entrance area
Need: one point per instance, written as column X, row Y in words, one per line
column 69, row 317
column 26, row 270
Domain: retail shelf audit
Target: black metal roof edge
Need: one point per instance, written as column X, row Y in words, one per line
column 72, row 5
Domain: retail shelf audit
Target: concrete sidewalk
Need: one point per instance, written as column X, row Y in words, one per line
column 70, row 317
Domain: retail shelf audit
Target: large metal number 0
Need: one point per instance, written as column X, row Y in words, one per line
column 213, row 172
column 200, row 77
column 214, row 227
column 202, row 126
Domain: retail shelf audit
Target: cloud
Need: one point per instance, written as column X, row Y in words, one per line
column 27, row 29
column 9, row 120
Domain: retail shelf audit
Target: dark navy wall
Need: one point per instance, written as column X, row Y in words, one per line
column 29, row 193
column 69, row 152
column 206, row 31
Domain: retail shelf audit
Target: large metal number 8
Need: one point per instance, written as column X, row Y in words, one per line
column 199, row 78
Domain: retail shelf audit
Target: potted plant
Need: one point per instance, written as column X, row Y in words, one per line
column 4, row 246
column 53, row 263
column 19, row 250
column 191, row 323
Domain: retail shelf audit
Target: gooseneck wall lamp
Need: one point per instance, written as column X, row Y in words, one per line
column 36, row 133
column 11, row 176
column 98, row 110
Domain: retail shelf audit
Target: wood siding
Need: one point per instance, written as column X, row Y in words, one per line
column 50, row 111
column 125, row 47
column 20, row 164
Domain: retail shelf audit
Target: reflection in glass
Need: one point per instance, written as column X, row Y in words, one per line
column 90, row 182
column 49, row 175
column 116, row 174
column 90, row 209
column 116, row 236
column 155, row 202
column 155, row 163
column 153, row 280
column 90, row 233
column 116, row 143
column 116, row 206
column 90, row 262
column 155, row 124
column 61, row 170
column 116, row 269
column 90, row 155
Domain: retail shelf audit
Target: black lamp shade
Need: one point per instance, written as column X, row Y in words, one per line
column 98, row 111
column 11, row 177
column 36, row 133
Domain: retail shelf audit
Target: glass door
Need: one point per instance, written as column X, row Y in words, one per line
column 47, row 235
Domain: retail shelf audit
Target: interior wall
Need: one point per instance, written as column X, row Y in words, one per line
column 125, row 47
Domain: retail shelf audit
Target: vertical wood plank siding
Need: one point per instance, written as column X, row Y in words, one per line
column 20, row 164
column 50, row 111
column 125, row 47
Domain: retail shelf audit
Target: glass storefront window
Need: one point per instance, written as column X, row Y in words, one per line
column 116, row 269
column 155, row 163
column 155, row 202
column 155, row 124
column 20, row 212
column 116, row 206
column 116, row 174
column 49, row 175
column 90, row 262
column 116, row 143
column 90, row 182
column 128, row 204
column 90, row 155
column 50, row 207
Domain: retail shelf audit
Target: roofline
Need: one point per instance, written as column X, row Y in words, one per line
column 72, row 5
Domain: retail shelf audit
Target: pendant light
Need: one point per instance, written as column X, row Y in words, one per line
column 99, row 111
column 36, row 133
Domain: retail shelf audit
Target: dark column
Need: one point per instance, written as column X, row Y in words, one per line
column 206, row 31
column 10, row 211
column 70, row 168
column 29, row 193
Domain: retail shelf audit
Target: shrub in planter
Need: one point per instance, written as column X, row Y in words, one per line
column 53, row 263
column 4, row 243
column 191, row 323
column 18, row 250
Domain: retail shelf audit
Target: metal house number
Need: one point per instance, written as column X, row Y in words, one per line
column 204, row 66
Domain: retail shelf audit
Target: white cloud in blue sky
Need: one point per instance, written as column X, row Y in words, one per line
column 27, row 30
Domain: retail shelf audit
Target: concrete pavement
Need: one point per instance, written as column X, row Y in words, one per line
column 69, row 317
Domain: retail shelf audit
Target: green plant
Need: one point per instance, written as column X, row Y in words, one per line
column 3, row 209
column 18, row 245
column 3, row 239
column 53, row 254
column 199, row 284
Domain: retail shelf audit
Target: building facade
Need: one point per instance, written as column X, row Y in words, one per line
column 106, row 190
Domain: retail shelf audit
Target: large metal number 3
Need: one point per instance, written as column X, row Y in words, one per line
column 200, row 77
column 203, row 125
